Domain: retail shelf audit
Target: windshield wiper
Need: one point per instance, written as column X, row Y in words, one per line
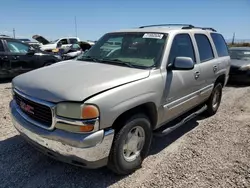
column 117, row 61
column 88, row 58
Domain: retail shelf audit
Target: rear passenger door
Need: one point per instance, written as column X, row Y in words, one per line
column 208, row 63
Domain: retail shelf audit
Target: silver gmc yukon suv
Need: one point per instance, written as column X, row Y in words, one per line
column 104, row 107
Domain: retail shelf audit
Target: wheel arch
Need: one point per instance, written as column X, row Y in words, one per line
column 221, row 79
column 149, row 109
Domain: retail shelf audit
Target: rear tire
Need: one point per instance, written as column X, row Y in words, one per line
column 135, row 134
column 214, row 100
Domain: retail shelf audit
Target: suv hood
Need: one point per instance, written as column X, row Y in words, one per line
column 75, row 80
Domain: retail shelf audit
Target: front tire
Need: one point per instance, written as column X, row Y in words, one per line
column 131, row 145
column 214, row 100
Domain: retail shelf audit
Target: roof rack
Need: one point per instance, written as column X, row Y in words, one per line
column 203, row 28
column 183, row 26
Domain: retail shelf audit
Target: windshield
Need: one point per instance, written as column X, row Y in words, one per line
column 54, row 41
column 135, row 49
column 239, row 54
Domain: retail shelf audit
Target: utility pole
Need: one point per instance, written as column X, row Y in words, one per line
column 233, row 38
column 75, row 26
column 14, row 33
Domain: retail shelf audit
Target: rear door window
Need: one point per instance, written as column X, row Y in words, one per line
column 220, row 44
column 204, row 47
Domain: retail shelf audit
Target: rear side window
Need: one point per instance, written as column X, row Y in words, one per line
column 182, row 47
column 73, row 41
column 204, row 47
column 220, row 44
column 1, row 46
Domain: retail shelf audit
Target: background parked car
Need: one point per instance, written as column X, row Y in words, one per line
column 240, row 64
column 17, row 57
column 59, row 43
column 31, row 43
column 71, row 52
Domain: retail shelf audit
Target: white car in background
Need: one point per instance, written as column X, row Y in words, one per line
column 59, row 43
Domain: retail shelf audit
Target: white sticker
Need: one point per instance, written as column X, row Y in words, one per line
column 246, row 53
column 153, row 35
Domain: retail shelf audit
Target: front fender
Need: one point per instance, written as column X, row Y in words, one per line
column 116, row 101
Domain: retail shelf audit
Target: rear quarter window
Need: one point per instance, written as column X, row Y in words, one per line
column 220, row 44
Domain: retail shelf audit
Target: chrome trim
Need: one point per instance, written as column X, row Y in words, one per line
column 39, row 101
column 189, row 97
column 45, row 103
column 77, row 122
column 55, row 118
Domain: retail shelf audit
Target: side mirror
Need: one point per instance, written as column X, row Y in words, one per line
column 31, row 52
column 183, row 63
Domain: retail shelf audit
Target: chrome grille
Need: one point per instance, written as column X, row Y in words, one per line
column 37, row 112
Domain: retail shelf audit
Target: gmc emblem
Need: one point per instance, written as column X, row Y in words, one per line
column 27, row 108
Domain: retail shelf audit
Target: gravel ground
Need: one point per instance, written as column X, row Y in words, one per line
column 212, row 152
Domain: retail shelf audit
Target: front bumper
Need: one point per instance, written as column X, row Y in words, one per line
column 86, row 150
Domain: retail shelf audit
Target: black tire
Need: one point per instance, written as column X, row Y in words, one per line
column 211, row 107
column 47, row 64
column 117, row 162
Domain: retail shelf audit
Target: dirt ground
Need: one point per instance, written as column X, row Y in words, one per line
column 211, row 152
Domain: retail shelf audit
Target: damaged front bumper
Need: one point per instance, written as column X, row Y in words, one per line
column 86, row 150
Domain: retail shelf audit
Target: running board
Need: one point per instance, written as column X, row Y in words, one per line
column 185, row 120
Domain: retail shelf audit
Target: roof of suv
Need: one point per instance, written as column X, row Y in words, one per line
column 166, row 28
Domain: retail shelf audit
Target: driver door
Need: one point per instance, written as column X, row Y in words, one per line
column 181, row 86
column 20, row 61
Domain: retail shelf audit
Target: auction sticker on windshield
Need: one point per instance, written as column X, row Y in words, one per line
column 153, row 35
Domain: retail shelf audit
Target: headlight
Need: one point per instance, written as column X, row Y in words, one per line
column 77, row 118
column 245, row 67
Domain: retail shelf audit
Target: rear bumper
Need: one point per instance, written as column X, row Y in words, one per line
column 86, row 150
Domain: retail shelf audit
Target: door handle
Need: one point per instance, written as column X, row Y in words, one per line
column 196, row 74
column 215, row 68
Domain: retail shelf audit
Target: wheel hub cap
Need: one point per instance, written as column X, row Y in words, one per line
column 216, row 99
column 133, row 143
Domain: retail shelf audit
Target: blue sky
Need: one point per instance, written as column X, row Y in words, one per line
column 54, row 18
